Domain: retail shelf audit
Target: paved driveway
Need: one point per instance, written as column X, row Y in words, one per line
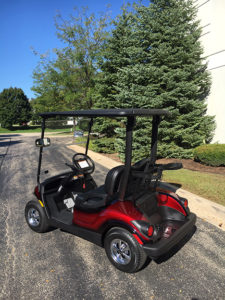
column 57, row 265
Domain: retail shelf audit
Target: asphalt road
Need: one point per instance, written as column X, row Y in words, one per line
column 57, row 265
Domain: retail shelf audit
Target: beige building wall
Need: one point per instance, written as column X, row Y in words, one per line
column 212, row 16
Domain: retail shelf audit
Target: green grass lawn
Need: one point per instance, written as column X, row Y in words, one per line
column 210, row 186
column 81, row 141
column 34, row 129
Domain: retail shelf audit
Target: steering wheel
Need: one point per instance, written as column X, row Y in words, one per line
column 83, row 163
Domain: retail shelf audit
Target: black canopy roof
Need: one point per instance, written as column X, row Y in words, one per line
column 93, row 113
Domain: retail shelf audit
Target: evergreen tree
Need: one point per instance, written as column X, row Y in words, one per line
column 164, row 69
column 114, row 58
column 14, row 107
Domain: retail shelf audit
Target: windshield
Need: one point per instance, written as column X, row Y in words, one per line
column 64, row 143
column 62, row 133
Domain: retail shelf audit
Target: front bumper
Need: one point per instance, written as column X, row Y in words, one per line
column 164, row 245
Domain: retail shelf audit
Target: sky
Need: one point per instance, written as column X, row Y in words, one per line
column 27, row 24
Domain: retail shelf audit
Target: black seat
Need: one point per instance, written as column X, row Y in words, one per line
column 100, row 197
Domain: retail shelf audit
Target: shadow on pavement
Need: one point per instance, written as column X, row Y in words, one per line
column 175, row 249
column 9, row 143
column 4, row 136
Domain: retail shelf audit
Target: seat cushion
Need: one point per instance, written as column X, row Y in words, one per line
column 113, row 179
column 96, row 199
column 91, row 201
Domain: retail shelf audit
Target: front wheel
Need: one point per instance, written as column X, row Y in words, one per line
column 123, row 250
column 36, row 217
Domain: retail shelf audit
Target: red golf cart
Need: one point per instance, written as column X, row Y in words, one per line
column 131, row 215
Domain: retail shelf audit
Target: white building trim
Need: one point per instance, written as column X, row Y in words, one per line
column 212, row 16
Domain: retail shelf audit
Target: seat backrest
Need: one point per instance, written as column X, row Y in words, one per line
column 112, row 180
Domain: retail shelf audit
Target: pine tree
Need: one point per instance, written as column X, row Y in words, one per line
column 179, row 79
column 115, row 58
column 164, row 69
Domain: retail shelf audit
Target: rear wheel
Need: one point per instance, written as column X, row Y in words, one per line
column 36, row 217
column 123, row 250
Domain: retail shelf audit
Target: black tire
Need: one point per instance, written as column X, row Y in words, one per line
column 131, row 258
column 36, row 217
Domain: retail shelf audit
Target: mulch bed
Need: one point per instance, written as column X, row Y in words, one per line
column 194, row 166
column 187, row 164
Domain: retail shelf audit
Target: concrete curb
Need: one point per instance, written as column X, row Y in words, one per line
column 97, row 157
column 205, row 209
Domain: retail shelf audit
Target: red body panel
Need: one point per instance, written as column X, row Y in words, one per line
column 120, row 211
column 169, row 201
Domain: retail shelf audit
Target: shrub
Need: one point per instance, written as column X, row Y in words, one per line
column 57, row 124
column 212, row 155
column 104, row 145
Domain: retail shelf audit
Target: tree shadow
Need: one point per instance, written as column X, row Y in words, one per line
column 9, row 143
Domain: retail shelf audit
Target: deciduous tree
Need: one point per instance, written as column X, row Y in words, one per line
column 14, row 107
column 68, row 80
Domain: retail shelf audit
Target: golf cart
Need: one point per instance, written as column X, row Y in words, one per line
column 131, row 215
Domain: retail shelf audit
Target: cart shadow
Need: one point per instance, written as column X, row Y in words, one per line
column 172, row 252
column 176, row 248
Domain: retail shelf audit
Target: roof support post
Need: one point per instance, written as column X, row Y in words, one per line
column 128, row 156
column 89, row 132
column 155, row 123
column 40, row 151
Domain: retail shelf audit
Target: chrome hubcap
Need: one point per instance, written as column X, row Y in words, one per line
column 120, row 251
column 33, row 217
